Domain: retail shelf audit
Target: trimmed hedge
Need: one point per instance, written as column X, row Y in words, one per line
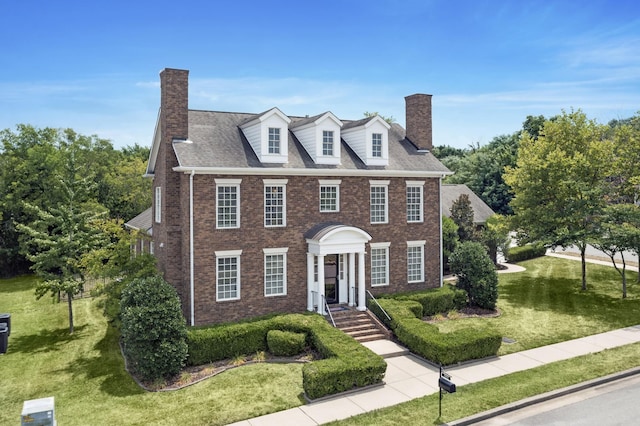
column 436, row 301
column 531, row 251
column 427, row 341
column 346, row 364
column 285, row 343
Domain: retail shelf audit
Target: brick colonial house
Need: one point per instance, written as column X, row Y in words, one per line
column 262, row 213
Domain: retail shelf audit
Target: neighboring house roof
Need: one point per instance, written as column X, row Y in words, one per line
column 142, row 222
column 450, row 193
column 216, row 143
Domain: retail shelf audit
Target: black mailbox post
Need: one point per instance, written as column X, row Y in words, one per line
column 445, row 384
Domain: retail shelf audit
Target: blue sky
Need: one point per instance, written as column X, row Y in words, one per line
column 93, row 65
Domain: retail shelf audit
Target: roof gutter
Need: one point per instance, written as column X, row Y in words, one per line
column 260, row 171
column 191, row 254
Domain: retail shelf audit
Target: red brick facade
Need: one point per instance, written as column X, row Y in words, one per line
column 172, row 235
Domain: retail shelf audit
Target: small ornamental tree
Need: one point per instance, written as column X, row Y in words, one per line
column 476, row 274
column 153, row 329
column 462, row 215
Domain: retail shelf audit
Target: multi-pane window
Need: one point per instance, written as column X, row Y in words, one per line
column 414, row 202
column 275, row 202
column 376, row 145
column 378, row 201
column 228, row 275
column 158, row 210
column 415, row 261
column 274, row 140
column 327, row 143
column 329, row 195
column 228, row 203
column 379, row 264
column 275, row 272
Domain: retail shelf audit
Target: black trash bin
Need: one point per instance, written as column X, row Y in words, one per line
column 6, row 319
column 4, row 338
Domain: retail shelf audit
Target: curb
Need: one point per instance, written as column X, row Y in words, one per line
column 523, row 403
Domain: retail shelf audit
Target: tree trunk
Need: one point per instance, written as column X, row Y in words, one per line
column 69, row 300
column 583, row 250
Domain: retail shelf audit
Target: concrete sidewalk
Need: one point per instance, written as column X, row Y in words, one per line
column 409, row 377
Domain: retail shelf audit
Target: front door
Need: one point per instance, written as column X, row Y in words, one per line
column 331, row 278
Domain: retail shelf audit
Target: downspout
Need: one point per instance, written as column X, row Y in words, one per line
column 441, row 242
column 191, row 279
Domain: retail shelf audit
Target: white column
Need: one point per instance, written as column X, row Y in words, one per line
column 321, row 284
column 352, row 279
column 310, row 281
column 362, row 305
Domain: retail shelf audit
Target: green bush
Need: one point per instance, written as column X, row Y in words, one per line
column 153, row 328
column 427, row 341
column 346, row 363
column 285, row 343
column 437, row 300
column 476, row 274
column 531, row 251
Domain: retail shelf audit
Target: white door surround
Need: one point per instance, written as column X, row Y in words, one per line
column 339, row 239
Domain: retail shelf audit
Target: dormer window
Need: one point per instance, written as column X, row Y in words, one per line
column 274, row 140
column 267, row 133
column 327, row 143
column 369, row 139
column 320, row 137
column 376, row 145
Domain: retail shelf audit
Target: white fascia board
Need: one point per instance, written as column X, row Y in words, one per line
column 155, row 146
column 379, row 120
column 264, row 116
column 258, row 171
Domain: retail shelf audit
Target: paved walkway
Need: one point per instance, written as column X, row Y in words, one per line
column 409, row 377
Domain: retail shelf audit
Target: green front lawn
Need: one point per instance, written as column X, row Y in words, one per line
column 545, row 304
column 85, row 371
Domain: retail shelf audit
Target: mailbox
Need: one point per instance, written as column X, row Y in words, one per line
column 446, row 385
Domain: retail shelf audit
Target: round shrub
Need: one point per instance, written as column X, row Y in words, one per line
column 285, row 343
column 476, row 274
column 153, row 329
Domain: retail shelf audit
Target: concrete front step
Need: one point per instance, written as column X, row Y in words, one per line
column 358, row 325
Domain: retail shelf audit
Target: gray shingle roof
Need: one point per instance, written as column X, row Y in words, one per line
column 142, row 222
column 215, row 140
column 450, row 193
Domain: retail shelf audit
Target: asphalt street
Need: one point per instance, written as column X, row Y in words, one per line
column 614, row 403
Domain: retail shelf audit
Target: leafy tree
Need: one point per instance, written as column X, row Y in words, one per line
column 625, row 176
column 444, row 151
column 462, row 215
column 476, row 274
column 482, row 169
column 449, row 239
column 129, row 191
column 112, row 261
column 390, row 119
column 495, row 236
column 619, row 232
column 558, row 183
column 60, row 236
column 154, row 331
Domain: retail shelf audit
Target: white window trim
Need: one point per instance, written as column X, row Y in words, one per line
column 275, row 182
column 384, row 246
column 416, row 184
column 229, row 253
column 329, row 182
column 271, row 252
column 418, row 243
column 279, row 140
column 384, row 184
column 223, row 183
column 158, row 209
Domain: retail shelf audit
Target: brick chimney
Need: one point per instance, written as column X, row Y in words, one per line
column 174, row 124
column 418, row 121
column 174, row 104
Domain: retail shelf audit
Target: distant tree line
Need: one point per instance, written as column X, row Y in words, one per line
column 38, row 168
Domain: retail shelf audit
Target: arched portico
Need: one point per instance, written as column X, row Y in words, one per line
column 342, row 243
